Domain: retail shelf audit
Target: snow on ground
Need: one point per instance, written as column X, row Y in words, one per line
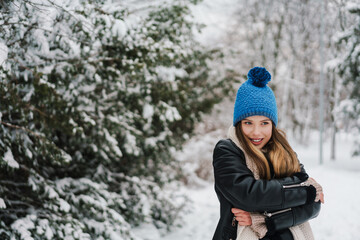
column 338, row 218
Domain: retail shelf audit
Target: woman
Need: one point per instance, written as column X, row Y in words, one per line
column 264, row 191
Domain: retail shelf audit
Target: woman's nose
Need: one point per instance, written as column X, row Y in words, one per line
column 256, row 130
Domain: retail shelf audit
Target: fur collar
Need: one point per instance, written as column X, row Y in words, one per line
column 249, row 161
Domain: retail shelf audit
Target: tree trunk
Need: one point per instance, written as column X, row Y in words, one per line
column 333, row 142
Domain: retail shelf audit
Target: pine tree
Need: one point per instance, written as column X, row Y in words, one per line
column 350, row 73
column 92, row 107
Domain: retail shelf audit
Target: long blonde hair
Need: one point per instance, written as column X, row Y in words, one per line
column 277, row 150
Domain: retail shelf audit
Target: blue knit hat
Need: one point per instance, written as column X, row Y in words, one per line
column 254, row 97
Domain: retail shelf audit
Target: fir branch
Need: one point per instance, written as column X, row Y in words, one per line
column 12, row 183
column 31, row 26
column 31, row 107
column 28, row 105
column 18, row 202
column 68, row 12
column 8, row 211
column 22, row 128
column 46, row 30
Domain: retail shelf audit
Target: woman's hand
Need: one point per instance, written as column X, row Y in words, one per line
column 242, row 217
column 319, row 190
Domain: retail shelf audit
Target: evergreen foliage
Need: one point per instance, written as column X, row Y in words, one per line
column 349, row 71
column 92, row 107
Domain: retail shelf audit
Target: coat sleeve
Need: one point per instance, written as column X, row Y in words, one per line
column 238, row 185
column 293, row 217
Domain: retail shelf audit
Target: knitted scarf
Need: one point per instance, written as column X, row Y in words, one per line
column 300, row 232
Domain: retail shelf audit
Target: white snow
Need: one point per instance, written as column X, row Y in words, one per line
column 171, row 113
column 64, row 206
column 3, row 53
column 119, row 28
column 52, row 194
column 340, row 179
column 88, row 119
column 148, row 111
column 169, row 74
column 44, row 228
column 113, row 142
column 351, row 6
column 130, row 145
column 9, row 159
column 27, row 97
column 2, row 203
column 23, row 225
column 66, row 156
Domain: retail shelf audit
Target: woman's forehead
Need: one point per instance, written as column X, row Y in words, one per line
column 257, row 118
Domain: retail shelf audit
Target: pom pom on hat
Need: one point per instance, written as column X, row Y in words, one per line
column 254, row 97
column 259, row 76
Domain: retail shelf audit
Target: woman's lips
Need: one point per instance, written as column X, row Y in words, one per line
column 256, row 141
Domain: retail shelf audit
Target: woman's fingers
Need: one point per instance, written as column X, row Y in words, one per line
column 322, row 200
column 238, row 211
column 244, row 221
column 242, row 217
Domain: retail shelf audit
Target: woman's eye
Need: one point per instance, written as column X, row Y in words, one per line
column 247, row 123
column 265, row 123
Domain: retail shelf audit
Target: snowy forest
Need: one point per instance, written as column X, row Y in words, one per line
column 110, row 109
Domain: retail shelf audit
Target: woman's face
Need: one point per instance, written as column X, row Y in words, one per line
column 257, row 129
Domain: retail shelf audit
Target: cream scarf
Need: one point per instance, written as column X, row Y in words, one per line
column 299, row 232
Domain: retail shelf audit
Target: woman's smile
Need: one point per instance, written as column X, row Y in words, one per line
column 256, row 141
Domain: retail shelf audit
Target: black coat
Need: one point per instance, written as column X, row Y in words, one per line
column 236, row 187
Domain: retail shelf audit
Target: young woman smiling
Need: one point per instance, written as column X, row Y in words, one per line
column 264, row 191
